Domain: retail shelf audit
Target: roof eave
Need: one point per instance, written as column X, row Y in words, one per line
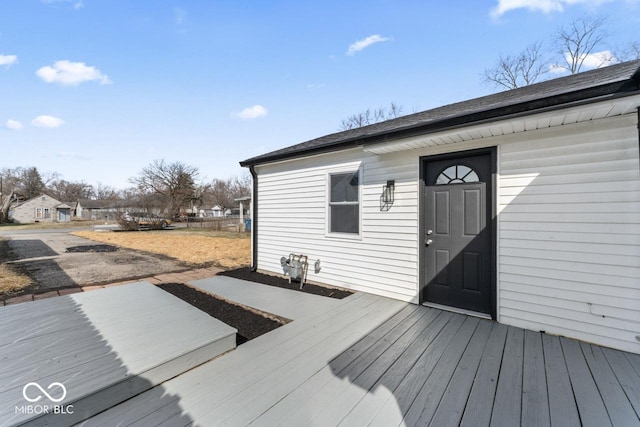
column 590, row 95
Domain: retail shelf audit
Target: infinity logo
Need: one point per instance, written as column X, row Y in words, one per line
column 37, row 398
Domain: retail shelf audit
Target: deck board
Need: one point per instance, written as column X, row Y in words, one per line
column 309, row 390
column 278, row 382
column 480, row 401
column 366, row 408
column 426, row 402
column 535, row 408
column 507, row 406
column 366, row 372
column 392, row 412
column 252, row 362
column 369, row 360
column 562, row 404
column 618, row 406
column 590, row 405
column 627, row 376
column 103, row 347
column 283, row 302
column 451, row 408
column 634, row 360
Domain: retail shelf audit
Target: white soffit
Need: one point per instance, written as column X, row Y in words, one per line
column 502, row 127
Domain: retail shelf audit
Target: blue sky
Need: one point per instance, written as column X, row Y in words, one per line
column 97, row 89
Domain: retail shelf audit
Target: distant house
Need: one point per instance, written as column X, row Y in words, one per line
column 42, row 208
column 106, row 210
column 522, row 206
column 216, row 211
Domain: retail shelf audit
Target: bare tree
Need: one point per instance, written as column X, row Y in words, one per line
column 578, row 42
column 631, row 52
column 520, row 70
column 10, row 179
column 223, row 192
column 174, row 182
column 67, row 191
column 105, row 192
column 579, row 46
column 369, row 116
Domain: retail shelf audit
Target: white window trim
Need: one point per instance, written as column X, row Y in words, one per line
column 37, row 211
column 348, row 168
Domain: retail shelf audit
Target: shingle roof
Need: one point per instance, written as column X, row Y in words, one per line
column 616, row 80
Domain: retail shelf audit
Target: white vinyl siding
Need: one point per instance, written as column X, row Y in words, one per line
column 569, row 215
column 292, row 218
column 568, row 202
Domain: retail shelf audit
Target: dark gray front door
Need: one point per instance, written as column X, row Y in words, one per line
column 458, row 232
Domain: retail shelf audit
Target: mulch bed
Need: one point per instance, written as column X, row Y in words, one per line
column 92, row 248
column 249, row 323
column 245, row 273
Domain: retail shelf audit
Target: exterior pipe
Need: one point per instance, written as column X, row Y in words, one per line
column 254, row 220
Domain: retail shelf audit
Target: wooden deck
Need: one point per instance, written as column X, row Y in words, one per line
column 375, row 361
column 102, row 347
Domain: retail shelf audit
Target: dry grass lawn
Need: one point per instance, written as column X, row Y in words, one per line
column 195, row 248
column 11, row 282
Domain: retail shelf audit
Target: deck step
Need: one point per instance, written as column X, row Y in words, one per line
column 291, row 304
column 98, row 349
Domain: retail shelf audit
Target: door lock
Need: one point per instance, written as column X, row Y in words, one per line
column 429, row 232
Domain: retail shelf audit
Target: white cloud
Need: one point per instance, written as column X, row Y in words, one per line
column 599, row 59
column 544, row 6
column 364, row 43
column 69, row 73
column 47, row 122
column 13, row 124
column 251, row 113
column 589, row 62
column 8, row 60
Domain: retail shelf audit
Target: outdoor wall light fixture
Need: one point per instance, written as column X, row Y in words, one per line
column 387, row 198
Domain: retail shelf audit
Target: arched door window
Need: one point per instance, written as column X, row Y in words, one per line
column 457, row 174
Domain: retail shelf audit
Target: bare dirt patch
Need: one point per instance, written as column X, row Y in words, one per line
column 226, row 250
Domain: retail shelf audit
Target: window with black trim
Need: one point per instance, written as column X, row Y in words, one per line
column 344, row 203
column 457, row 174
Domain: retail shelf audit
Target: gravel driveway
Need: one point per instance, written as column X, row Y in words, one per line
column 54, row 259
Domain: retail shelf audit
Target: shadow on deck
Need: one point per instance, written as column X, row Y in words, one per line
column 68, row 358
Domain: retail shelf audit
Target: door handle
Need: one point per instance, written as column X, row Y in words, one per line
column 428, row 242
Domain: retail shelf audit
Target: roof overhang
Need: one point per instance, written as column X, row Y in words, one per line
column 557, row 102
column 509, row 125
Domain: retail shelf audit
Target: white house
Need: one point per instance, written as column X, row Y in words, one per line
column 216, row 211
column 522, row 206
